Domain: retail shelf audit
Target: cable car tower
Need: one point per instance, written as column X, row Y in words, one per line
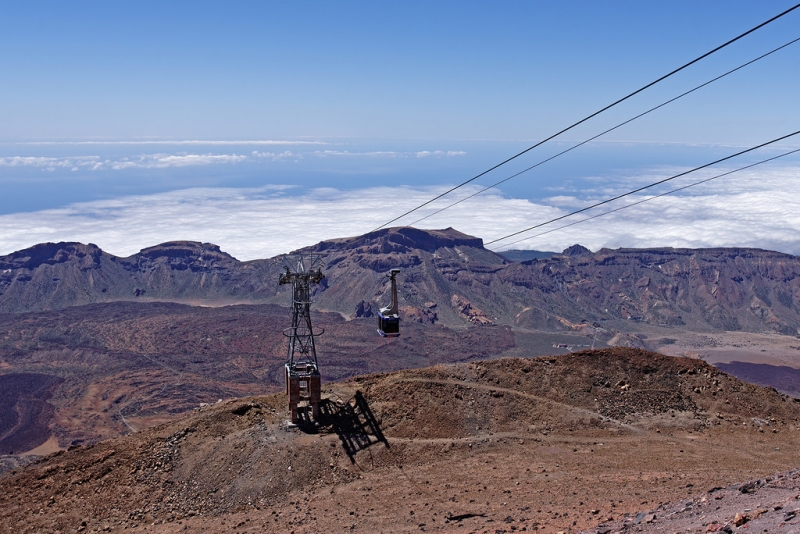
column 302, row 371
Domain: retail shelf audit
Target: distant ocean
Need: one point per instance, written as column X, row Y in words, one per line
column 262, row 198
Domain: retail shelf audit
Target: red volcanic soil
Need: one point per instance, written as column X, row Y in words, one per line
column 530, row 445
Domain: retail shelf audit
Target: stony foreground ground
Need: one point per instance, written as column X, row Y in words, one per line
column 564, row 444
column 769, row 504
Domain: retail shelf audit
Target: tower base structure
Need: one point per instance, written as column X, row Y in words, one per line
column 303, row 386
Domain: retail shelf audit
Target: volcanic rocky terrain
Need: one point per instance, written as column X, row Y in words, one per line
column 94, row 347
column 547, row 444
column 85, row 373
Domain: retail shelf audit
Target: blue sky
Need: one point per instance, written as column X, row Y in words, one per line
column 105, row 102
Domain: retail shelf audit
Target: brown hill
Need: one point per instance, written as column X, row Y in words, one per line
column 704, row 289
column 92, row 372
column 548, row 444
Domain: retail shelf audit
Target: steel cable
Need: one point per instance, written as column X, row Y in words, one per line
column 743, row 65
column 664, row 77
column 617, row 197
column 652, row 198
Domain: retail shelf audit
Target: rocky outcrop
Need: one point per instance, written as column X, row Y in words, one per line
column 364, row 309
column 52, row 254
column 576, row 250
column 469, row 312
column 626, row 340
column 418, row 315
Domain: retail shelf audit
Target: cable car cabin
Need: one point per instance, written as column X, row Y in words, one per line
column 388, row 317
column 388, row 326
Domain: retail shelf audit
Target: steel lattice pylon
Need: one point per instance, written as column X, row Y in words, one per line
column 302, row 371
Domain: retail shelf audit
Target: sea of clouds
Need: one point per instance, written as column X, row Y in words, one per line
column 170, row 159
column 754, row 208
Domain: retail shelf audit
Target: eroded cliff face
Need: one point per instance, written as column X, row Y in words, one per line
column 726, row 289
column 722, row 289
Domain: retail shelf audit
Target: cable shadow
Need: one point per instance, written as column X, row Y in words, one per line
column 354, row 423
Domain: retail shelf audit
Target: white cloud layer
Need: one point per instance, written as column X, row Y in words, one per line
column 50, row 163
column 165, row 160
column 145, row 161
column 392, row 154
column 277, row 156
column 749, row 209
column 180, row 142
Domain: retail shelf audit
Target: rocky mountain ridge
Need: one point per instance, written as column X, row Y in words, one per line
column 444, row 273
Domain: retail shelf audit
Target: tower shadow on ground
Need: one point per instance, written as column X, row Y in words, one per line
column 353, row 421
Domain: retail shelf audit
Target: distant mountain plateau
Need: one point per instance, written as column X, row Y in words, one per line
column 446, row 278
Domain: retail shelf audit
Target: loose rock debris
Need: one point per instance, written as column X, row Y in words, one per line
column 770, row 504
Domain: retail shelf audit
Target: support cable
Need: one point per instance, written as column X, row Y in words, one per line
column 605, row 132
column 664, row 77
column 651, row 198
column 644, row 187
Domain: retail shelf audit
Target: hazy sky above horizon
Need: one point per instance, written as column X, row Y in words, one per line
column 265, row 127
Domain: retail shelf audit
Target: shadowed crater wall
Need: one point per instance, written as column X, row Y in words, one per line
column 784, row 379
column 24, row 411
